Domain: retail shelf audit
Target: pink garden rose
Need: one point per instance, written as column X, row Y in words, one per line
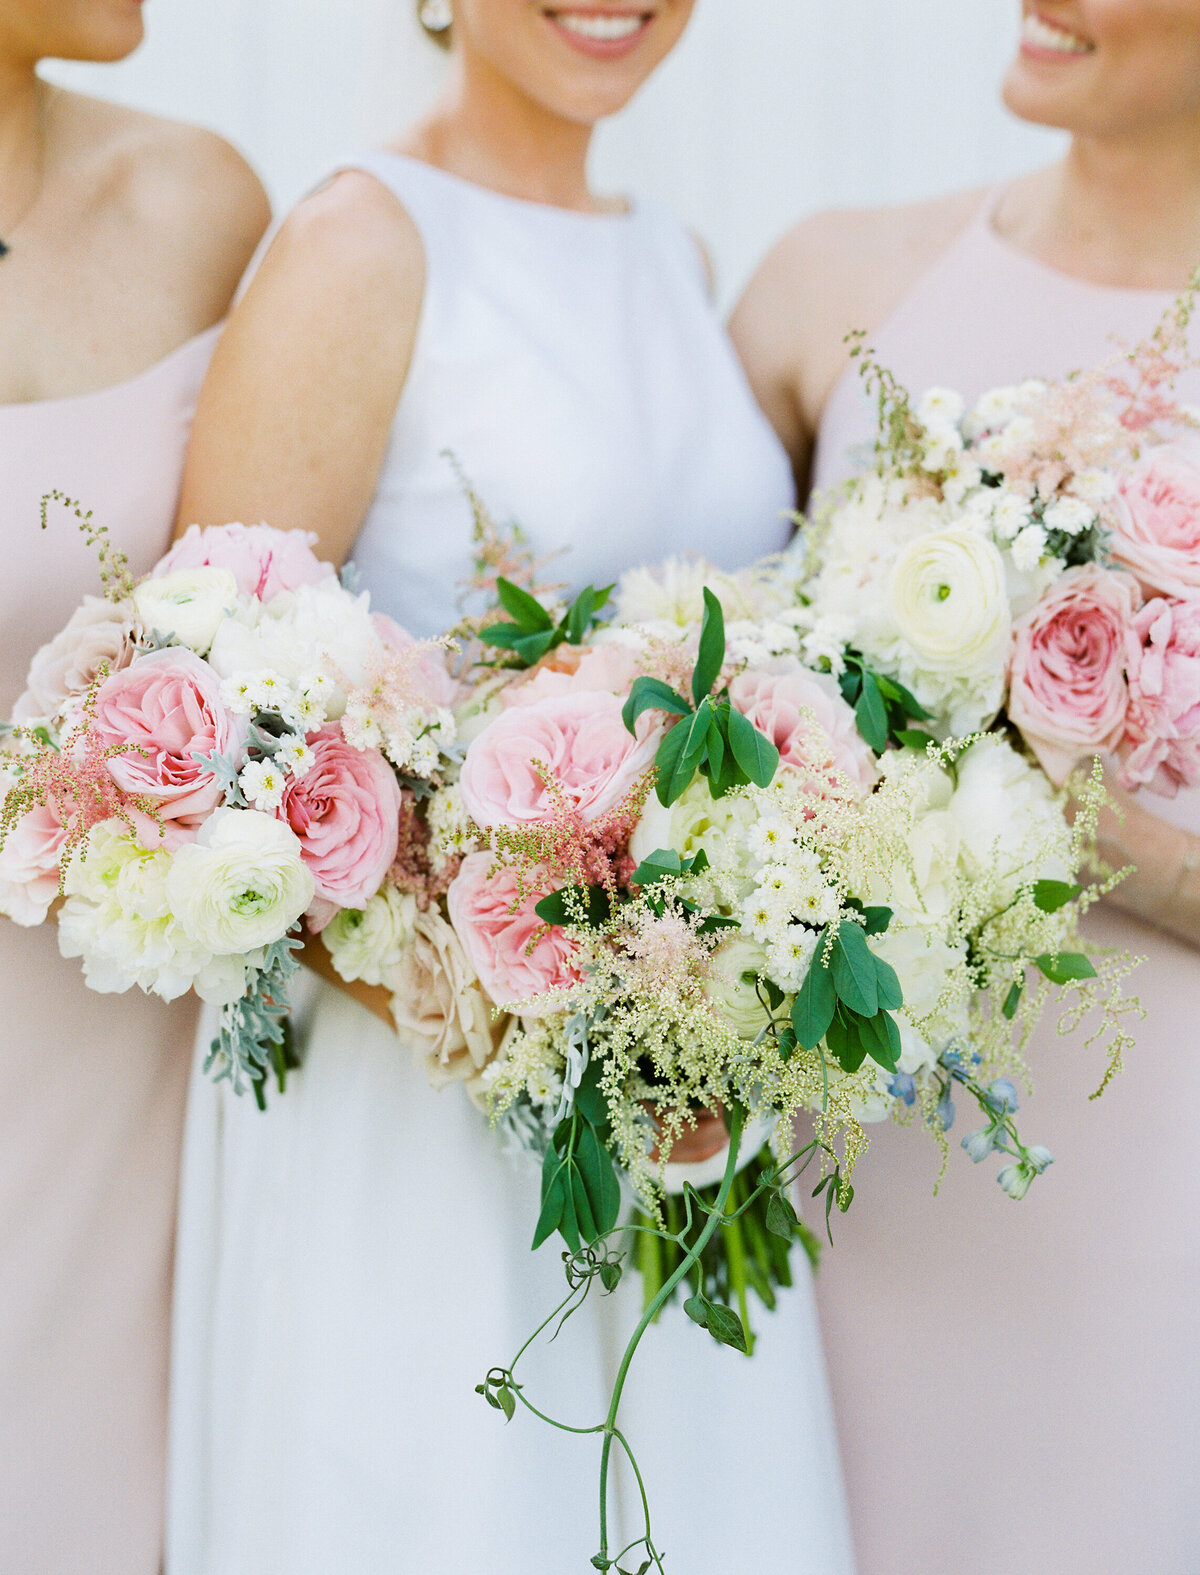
column 610, row 668
column 165, row 710
column 579, row 738
column 779, row 698
column 264, row 561
column 1067, row 689
column 1161, row 747
column 97, row 633
column 29, row 862
column 496, row 940
column 1156, row 523
column 345, row 810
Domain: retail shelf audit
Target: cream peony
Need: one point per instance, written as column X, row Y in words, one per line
column 190, row 604
column 438, row 1004
column 948, row 599
column 242, row 884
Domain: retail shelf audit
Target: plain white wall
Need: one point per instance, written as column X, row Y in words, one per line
column 769, row 110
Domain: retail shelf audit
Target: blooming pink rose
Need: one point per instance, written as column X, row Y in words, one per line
column 579, row 739
column 1067, row 689
column 29, row 865
column 99, row 632
column 1161, row 746
column 264, row 561
column 610, row 668
column 165, row 710
column 496, row 940
column 1156, row 520
column 430, row 671
column 806, row 718
column 345, row 810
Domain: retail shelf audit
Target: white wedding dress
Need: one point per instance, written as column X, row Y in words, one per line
column 353, row 1262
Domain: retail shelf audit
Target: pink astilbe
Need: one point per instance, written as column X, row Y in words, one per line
column 1144, row 388
column 1161, row 746
column 1072, row 428
column 668, row 958
column 415, row 870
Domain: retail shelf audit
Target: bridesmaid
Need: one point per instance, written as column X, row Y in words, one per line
column 465, row 289
column 1040, row 1364
column 121, row 240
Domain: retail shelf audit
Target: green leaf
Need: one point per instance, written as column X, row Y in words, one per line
column 877, row 920
column 610, row 1274
column 552, row 1201
column 726, row 1327
column 755, row 754
column 678, row 756
column 845, row 1041
column 589, row 1099
column 579, row 616
column 711, row 655
column 893, row 690
column 850, row 683
column 786, row 1042
column 568, row 1225
column 1013, row 999
column 913, row 738
column 853, row 969
column 1065, row 967
column 782, row 1218
column 508, row 1401
column 509, row 637
column 881, row 1037
column 696, row 1308
column 716, row 746
column 871, row 714
column 651, row 694
column 570, row 905
column 1051, row 895
column 816, row 1002
column 891, row 994
column 600, row 1179
column 584, row 1217
column 522, row 607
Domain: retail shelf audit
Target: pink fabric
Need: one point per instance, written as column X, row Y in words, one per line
column 91, row 1087
column 1017, row 1385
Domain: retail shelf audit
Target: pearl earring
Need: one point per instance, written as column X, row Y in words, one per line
column 436, row 15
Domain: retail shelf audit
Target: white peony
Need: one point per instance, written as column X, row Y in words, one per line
column 949, row 602
column 367, row 943
column 190, row 604
column 1010, row 822
column 242, row 884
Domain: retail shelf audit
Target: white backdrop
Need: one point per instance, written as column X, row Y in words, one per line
column 769, row 110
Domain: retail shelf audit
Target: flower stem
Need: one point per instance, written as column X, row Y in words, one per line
column 691, row 1258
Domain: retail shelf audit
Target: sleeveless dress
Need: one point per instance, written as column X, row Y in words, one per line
column 91, row 1086
column 353, row 1263
column 1036, row 1363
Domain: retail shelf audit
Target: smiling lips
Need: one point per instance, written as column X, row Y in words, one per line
column 1039, row 37
column 601, row 33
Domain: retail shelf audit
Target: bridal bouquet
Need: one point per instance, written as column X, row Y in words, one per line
column 1036, row 556
column 205, row 757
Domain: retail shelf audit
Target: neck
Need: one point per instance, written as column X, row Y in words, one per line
column 489, row 132
column 1120, row 211
column 22, row 96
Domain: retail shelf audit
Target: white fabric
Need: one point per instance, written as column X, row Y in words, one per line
column 352, row 1263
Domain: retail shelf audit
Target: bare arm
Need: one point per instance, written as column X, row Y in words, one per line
column 1165, row 889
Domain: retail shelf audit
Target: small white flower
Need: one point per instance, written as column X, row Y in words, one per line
column 757, row 917
column 768, row 837
column 263, row 783
column 295, row 757
column 1010, row 515
column 1019, row 433
column 1072, row 516
column 791, row 957
column 942, row 449
column 995, row 409
column 1032, row 388
column 236, row 693
column 1093, row 486
column 962, row 477
column 1028, row 548
column 940, row 407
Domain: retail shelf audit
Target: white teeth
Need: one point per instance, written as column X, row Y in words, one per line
column 1035, row 31
column 607, row 29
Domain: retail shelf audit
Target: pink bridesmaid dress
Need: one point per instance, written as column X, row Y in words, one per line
column 1018, row 1384
column 91, row 1086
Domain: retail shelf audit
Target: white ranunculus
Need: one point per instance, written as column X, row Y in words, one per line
column 949, row 602
column 697, row 820
column 1010, row 821
column 367, row 943
column 736, row 967
column 190, row 604
column 241, row 885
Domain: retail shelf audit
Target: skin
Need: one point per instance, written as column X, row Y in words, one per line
column 128, row 232
column 1122, row 208
column 294, row 418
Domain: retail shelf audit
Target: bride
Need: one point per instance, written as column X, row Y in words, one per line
column 351, row 1264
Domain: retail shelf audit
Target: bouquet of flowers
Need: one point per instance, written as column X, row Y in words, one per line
column 1036, row 557
column 675, row 879
column 205, row 757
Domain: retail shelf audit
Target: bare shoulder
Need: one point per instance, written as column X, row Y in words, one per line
column 834, row 272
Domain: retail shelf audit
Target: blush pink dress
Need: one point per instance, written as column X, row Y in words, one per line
column 1018, row 1384
column 91, row 1086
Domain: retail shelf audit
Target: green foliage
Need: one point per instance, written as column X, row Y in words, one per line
column 1013, row 999
column 722, row 1323
column 587, row 905
column 710, row 736
column 581, row 1197
column 883, row 708
column 1065, row 967
column 532, row 631
column 847, row 1000
column 666, row 862
column 1051, row 895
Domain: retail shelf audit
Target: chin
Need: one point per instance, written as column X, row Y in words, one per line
column 1041, row 103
